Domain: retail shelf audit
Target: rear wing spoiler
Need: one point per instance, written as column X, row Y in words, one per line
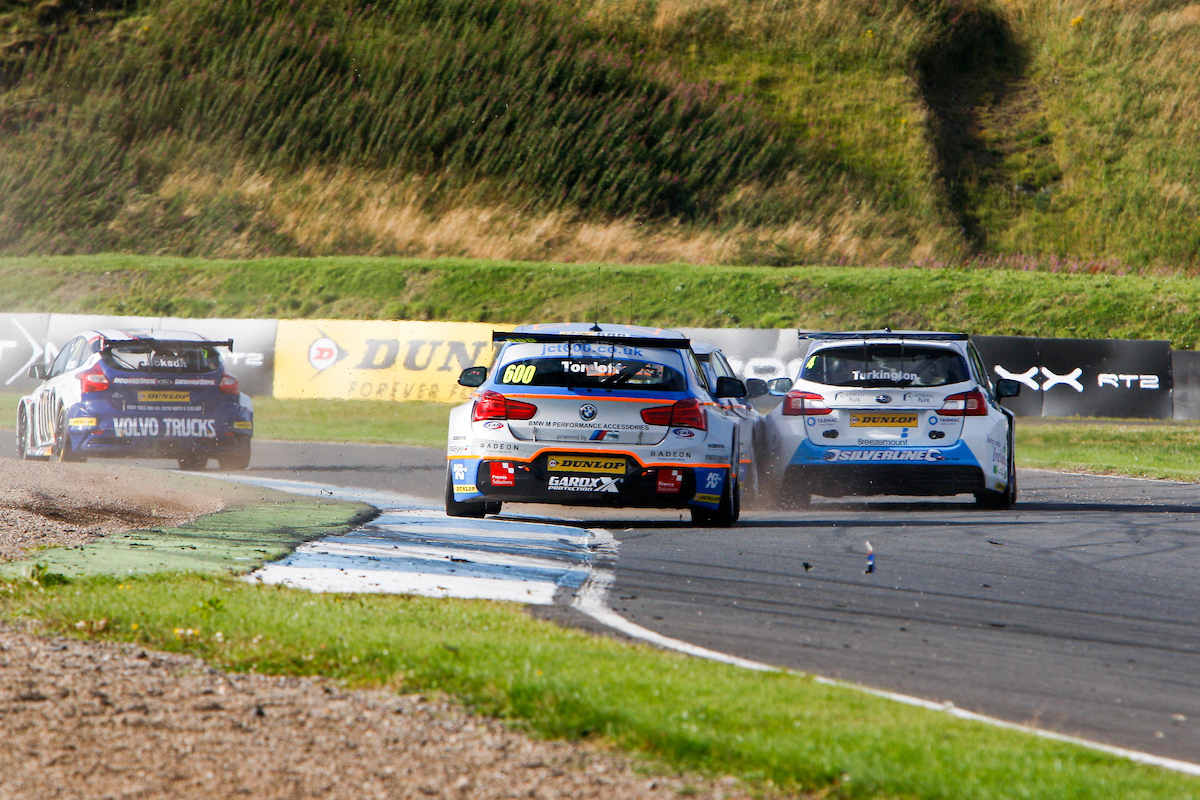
column 616, row 339
column 226, row 343
column 908, row 335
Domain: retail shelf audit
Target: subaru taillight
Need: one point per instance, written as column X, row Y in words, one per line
column 229, row 384
column 964, row 404
column 94, row 380
column 685, row 413
column 493, row 405
column 797, row 403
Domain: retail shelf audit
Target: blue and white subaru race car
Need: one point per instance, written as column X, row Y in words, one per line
column 146, row 394
column 891, row 413
column 597, row 415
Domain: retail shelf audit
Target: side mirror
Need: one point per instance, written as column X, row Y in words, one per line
column 756, row 387
column 1006, row 387
column 730, row 387
column 473, row 376
column 38, row 372
column 780, row 385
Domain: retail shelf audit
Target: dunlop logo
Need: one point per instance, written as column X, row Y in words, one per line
column 882, row 420
column 164, row 397
column 592, row 464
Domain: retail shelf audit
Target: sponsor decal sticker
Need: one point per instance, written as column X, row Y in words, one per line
column 922, row 455
column 708, row 498
column 503, row 446
column 465, row 488
column 460, row 473
column 81, row 422
column 605, row 465
column 670, row 481
column 670, row 454
column 243, row 426
column 493, row 425
column 683, row 433
column 503, row 474
column 871, row 420
column 713, row 480
column 895, row 376
column 576, row 483
column 164, row 397
column 604, row 436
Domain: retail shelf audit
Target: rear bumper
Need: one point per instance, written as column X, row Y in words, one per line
column 867, row 471
column 103, row 433
column 497, row 480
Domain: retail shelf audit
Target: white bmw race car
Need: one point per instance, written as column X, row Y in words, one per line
column 597, row 415
column 891, row 413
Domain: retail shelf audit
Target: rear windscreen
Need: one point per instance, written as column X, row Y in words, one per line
column 175, row 358
column 886, row 365
column 594, row 367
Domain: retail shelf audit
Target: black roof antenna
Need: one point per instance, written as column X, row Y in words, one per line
column 596, row 328
column 887, row 328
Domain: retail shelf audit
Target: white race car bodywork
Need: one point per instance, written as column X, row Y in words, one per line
column 885, row 432
column 572, row 416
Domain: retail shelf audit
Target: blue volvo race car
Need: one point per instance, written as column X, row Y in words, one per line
column 137, row 394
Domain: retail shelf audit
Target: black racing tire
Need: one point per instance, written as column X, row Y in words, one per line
column 729, row 509
column 457, row 509
column 193, row 462
column 236, row 458
column 62, row 443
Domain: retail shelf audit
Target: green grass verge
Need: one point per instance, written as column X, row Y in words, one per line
column 1164, row 450
column 692, row 714
column 233, row 541
column 411, row 423
column 977, row 301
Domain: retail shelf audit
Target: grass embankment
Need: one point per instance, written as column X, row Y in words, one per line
column 1161, row 449
column 680, row 130
column 977, row 301
column 772, row 729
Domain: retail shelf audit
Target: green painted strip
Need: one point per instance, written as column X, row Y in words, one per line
column 236, row 541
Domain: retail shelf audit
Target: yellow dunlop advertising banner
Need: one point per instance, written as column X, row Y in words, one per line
column 378, row 360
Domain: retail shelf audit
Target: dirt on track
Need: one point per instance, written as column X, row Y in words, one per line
column 48, row 504
column 84, row 719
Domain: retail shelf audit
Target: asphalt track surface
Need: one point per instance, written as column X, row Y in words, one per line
column 1078, row 611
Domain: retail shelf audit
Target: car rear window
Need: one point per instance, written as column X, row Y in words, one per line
column 886, row 365
column 175, row 357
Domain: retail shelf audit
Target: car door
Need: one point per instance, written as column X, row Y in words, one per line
column 746, row 416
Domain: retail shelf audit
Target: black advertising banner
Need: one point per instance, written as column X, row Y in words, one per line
column 1016, row 358
column 1084, row 377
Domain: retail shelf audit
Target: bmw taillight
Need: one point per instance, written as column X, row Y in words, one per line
column 493, row 405
column 229, row 385
column 964, row 404
column 797, row 403
column 685, row 413
column 94, row 380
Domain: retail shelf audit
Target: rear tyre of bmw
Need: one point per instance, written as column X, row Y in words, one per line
column 729, row 509
column 62, row 442
column 457, row 509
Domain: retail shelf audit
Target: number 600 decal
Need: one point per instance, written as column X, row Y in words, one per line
column 518, row 373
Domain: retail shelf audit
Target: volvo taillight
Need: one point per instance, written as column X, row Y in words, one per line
column 94, row 380
column 685, row 413
column 493, row 405
column 964, row 404
column 229, row 385
column 797, row 403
